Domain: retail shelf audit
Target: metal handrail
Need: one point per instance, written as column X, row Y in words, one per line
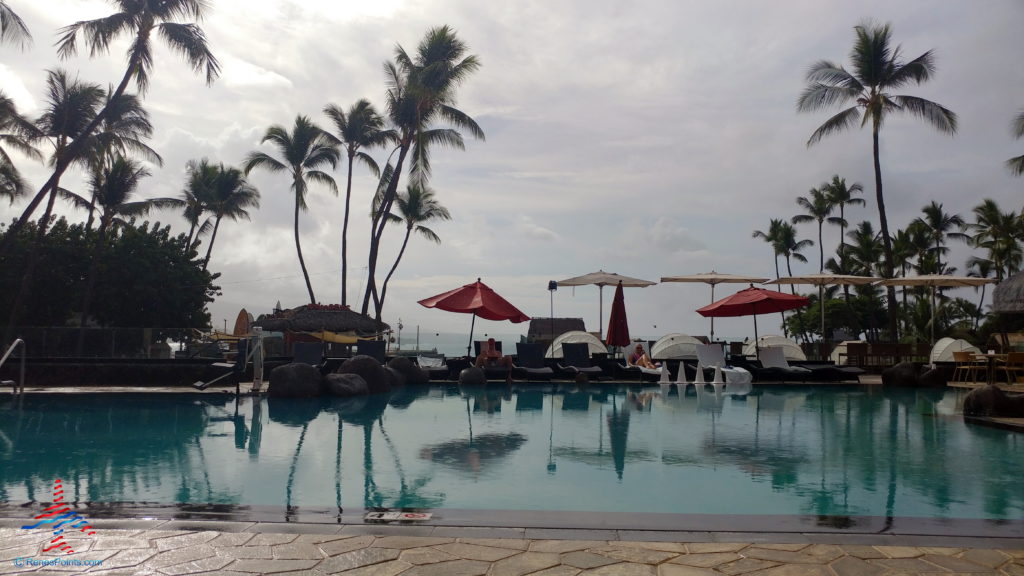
column 21, row 380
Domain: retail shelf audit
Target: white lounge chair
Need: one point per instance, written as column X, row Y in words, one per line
column 712, row 356
column 633, row 368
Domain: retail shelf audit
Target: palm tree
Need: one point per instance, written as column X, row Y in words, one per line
column 305, row 150
column 937, row 226
column 200, row 176
column 361, row 127
column 12, row 27
column 113, row 186
column 17, row 133
column 421, row 91
column 231, row 196
column 774, row 238
column 1000, row 234
column 818, row 208
column 979, row 268
column 789, row 248
column 839, row 194
column 877, row 69
column 143, row 21
column 1016, row 164
column 416, row 207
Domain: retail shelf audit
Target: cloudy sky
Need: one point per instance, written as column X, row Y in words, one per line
column 647, row 138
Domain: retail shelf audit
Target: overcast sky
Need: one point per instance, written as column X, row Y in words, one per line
column 647, row 138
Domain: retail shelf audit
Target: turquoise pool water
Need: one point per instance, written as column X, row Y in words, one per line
column 822, row 451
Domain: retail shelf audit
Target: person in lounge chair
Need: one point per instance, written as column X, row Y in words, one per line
column 491, row 358
column 639, row 358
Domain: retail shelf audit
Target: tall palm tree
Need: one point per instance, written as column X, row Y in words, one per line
column 305, row 151
column 839, row 194
column 421, row 92
column 938, row 227
column 361, row 127
column 1016, row 164
column 877, row 69
column 979, row 268
column 1000, row 234
column 113, row 187
column 16, row 133
column 774, row 238
column 789, row 248
column 12, row 27
column 416, row 207
column 142, row 21
column 818, row 209
column 231, row 198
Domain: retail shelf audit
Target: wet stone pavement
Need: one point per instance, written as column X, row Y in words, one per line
column 315, row 550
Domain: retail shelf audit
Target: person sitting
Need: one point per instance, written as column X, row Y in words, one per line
column 639, row 358
column 490, row 357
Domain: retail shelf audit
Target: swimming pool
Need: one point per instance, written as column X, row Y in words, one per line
column 839, row 457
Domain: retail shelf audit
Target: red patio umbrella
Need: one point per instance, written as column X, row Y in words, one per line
column 751, row 302
column 477, row 299
column 618, row 326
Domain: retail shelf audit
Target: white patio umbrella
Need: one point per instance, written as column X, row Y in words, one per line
column 822, row 280
column 934, row 280
column 602, row 279
column 714, row 278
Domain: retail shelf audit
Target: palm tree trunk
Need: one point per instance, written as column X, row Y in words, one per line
column 188, row 243
column 74, row 150
column 101, row 240
column 298, row 248
column 981, row 311
column 883, row 223
column 344, row 232
column 821, row 249
column 385, row 207
column 209, row 249
column 384, row 287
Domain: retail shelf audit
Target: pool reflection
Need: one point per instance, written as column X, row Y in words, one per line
column 835, row 453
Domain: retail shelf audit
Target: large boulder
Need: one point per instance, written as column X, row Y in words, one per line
column 903, row 374
column 377, row 380
column 934, row 378
column 993, row 401
column 345, row 385
column 295, row 380
column 411, row 373
column 472, row 376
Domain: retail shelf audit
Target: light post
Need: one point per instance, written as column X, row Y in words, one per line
column 400, row 334
column 552, row 286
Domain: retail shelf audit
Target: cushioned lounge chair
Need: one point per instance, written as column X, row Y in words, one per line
column 576, row 360
column 774, row 366
column 632, row 370
column 436, row 368
column 530, row 361
column 490, row 372
column 711, row 356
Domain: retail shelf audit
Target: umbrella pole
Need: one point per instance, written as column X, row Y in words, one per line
column 469, row 347
column 933, row 316
column 712, row 318
column 600, row 312
column 821, row 304
column 757, row 348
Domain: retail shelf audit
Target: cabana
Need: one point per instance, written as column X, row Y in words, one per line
column 944, row 348
column 675, row 347
column 575, row 337
column 790, row 348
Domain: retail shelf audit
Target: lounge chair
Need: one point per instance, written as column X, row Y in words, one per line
column 712, row 356
column 628, row 369
column 373, row 349
column 576, row 360
column 491, row 372
column 436, row 368
column 530, row 361
column 774, row 366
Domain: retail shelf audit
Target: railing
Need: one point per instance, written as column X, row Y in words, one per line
column 21, row 379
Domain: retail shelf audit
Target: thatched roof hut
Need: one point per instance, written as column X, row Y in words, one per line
column 1008, row 297
column 314, row 317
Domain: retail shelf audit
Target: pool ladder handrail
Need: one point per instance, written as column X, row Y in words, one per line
column 21, row 381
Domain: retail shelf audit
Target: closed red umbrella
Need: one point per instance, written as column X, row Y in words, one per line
column 751, row 302
column 477, row 299
column 618, row 326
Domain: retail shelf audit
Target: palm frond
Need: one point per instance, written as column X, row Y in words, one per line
column 943, row 119
column 837, row 123
column 262, row 160
column 428, row 234
column 369, row 162
column 189, row 41
column 1016, row 165
column 12, row 27
column 460, row 119
column 917, row 71
column 323, row 178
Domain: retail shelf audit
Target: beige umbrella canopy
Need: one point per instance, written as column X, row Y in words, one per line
column 602, row 279
column 822, row 280
column 714, row 278
column 934, row 280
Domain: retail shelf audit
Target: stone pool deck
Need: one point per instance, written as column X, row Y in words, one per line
column 154, row 547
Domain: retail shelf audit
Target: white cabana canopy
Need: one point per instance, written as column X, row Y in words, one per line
column 944, row 348
column 575, row 336
column 791, row 349
column 675, row 346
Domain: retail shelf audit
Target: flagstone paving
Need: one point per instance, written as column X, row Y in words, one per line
column 173, row 552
